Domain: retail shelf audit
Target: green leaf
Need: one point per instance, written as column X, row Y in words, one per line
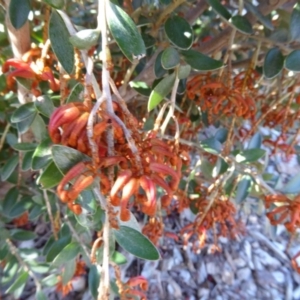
column 22, row 235
column 9, row 201
column 161, row 90
column 159, row 71
column 42, row 155
column 18, row 12
column 20, row 207
column 44, row 105
column 184, row 71
column 23, row 112
column 292, row 61
column 93, row 280
column 255, row 141
column 68, row 271
column 27, row 160
column 9, row 167
column 50, row 177
column 118, row 258
column 219, row 8
column 295, row 24
column 220, row 168
column 201, row 62
column 260, row 17
column 19, row 283
column 221, row 135
column 206, row 168
column 241, row 24
column 25, row 146
column 24, row 125
column 85, row 39
column 65, row 157
column 40, row 295
column 293, row 186
column 250, row 155
column 58, row 4
column 50, row 280
column 273, row 63
column 179, row 32
column 211, row 145
column 68, row 253
column 38, row 128
column 170, row 58
column 59, row 37
column 136, row 243
column 75, row 93
column 141, row 87
column 56, row 247
column 125, row 32
column 243, row 189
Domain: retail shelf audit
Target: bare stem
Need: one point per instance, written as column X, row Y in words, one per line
column 3, row 137
column 50, row 213
column 14, row 250
column 172, row 107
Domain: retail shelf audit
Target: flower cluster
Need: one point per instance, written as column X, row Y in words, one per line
column 156, row 163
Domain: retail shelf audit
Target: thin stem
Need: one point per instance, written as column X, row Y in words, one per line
column 3, row 137
column 127, row 77
column 77, row 237
column 50, row 214
column 172, row 107
column 14, row 250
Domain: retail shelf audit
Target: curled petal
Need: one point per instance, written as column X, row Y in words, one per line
column 71, row 174
column 148, row 186
column 166, row 170
column 111, row 160
column 16, row 63
column 75, row 208
column 122, row 179
column 79, row 128
column 162, row 151
column 80, row 184
column 62, row 115
column 161, row 182
column 129, row 189
column 99, row 128
column 141, row 281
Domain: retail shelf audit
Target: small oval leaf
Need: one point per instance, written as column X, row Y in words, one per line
column 184, row 71
column 241, row 24
column 136, row 243
column 179, row 32
column 292, row 61
column 211, row 145
column 50, row 177
column 75, row 94
column 250, row 155
column 161, row 90
column 65, row 157
column 58, row 4
column 170, row 58
column 22, row 235
column 9, row 167
column 255, row 141
column 159, row 71
column 295, row 24
column 219, row 8
column 42, row 155
column 201, row 62
column 273, row 63
column 85, row 39
column 25, row 146
column 18, row 12
column 44, row 105
column 293, row 186
column 125, row 32
column 243, row 189
column 23, row 112
column 69, row 252
column 59, row 37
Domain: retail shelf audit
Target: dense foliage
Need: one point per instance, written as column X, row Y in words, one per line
column 118, row 114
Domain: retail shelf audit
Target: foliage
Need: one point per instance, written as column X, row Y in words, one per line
column 120, row 113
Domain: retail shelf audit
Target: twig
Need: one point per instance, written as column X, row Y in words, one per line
column 77, row 237
column 50, row 213
column 172, row 107
column 14, row 250
column 3, row 137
